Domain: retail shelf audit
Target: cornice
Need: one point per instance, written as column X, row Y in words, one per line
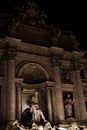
column 38, row 86
column 18, row 46
column 78, row 54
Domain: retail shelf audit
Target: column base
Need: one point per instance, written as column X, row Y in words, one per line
column 70, row 120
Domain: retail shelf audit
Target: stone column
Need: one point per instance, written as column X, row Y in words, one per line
column 19, row 111
column 11, row 92
column 4, row 109
column 58, row 90
column 49, row 104
column 85, row 73
column 81, row 109
column 53, row 105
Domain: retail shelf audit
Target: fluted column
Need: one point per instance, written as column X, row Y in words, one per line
column 58, row 90
column 49, row 104
column 11, row 92
column 79, row 92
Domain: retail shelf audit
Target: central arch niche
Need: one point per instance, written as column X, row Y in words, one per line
column 33, row 73
column 34, row 79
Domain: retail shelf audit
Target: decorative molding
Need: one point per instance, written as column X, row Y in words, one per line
column 56, row 51
column 69, row 87
column 18, row 46
column 18, row 80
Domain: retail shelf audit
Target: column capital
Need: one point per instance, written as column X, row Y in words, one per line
column 55, row 61
column 9, row 55
column 49, row 88
column 75, row 65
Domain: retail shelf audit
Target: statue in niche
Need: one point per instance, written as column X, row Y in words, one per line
column 68, row 106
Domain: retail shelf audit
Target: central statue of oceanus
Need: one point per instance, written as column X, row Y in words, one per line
column 33, row 117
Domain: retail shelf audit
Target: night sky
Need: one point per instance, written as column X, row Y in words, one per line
column 64, row 14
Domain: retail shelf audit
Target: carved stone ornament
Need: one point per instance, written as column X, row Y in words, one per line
column 75, row 65
column 55, row 36
column 9, row 54
column 30, row 14
column 12, row 28
column 55, row 61
column 75, row 43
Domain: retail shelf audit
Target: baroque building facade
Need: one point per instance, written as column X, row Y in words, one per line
column 38, row 57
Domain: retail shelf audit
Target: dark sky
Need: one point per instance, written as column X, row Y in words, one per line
column 64, row 14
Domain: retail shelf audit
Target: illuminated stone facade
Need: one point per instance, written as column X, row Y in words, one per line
column 47, row 60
